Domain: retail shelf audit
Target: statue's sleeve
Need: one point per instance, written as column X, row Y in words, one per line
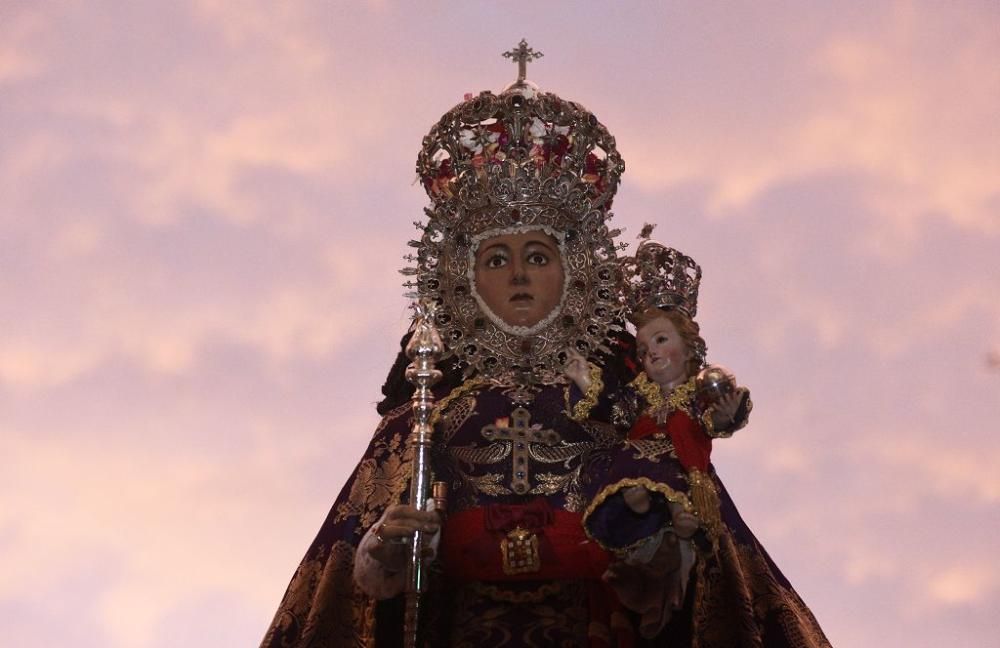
column 648, row 462
column 606, row 400
column 323, row 605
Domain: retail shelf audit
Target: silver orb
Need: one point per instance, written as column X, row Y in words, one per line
column 713, row 383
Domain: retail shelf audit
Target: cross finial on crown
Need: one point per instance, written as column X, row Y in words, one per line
column 522, row 54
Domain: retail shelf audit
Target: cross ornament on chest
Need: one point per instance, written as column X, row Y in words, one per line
column 521, row 435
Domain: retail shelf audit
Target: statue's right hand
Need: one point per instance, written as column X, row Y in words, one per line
column 394, row 532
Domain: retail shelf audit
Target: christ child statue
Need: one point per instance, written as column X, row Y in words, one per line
column 671, row 413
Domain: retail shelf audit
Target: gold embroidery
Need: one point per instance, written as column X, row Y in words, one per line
column 519, row 438
column 498, row 594
column 516, row 439
column 651, row 448
column 322, row 606
column 574, row 502
column 440, row 406
column 603, row 434
column 658, row 405
column 562, row 453
column 554, row 614
column 680, row 397
column 581, row 411
column 737, row 594
column 648, row 390
column 488, row 484
column 457, row 414
column 550, row 484
column 380, row 481
column 472, row 455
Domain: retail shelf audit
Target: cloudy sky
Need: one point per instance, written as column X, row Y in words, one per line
column 203, row 206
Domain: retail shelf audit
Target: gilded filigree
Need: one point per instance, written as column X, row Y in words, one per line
column 550, row 484
column 324, row 581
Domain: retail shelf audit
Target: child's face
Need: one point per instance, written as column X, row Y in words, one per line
column 662, row 352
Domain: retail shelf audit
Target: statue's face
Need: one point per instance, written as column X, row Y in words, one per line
column 662, row 351
column 520, row 276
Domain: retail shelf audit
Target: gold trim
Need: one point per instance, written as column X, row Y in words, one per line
column 679, row 399
column 656, row 487
column 537, row 596
column 681, row 396
column 581, row 411
column 709, row 425
column 649, row 390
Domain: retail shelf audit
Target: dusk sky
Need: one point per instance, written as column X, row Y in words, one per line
column 204, row 205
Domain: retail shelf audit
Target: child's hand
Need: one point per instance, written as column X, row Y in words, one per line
column 724, row 411
column 577, row 369
column 685, row 524
column 637, row 499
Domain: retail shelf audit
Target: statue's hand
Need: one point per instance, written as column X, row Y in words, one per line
column 685, row 524
column 394, row 532
column 577, row 369
column 724, row 411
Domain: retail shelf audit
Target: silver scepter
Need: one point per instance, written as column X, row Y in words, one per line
column 423, row 349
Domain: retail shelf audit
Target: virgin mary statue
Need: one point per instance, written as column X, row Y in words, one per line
column 518, row 257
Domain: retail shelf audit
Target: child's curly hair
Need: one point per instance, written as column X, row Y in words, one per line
column 688, row 328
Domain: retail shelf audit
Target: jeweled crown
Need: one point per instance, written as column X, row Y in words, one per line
column 658, row 276
column 522, row 147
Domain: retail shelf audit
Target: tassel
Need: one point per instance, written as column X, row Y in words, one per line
column 705, row 499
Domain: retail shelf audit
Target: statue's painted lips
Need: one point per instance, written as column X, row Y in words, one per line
column 521, row 298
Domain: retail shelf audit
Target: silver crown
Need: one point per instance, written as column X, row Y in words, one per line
column 513, row 162
column 658, row 276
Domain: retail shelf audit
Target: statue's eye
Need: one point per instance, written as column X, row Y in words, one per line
column 538, row 258
column 496, row 260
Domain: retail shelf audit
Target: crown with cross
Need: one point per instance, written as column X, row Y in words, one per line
column 516, row 161
column 521, row 147
column 659, row 277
